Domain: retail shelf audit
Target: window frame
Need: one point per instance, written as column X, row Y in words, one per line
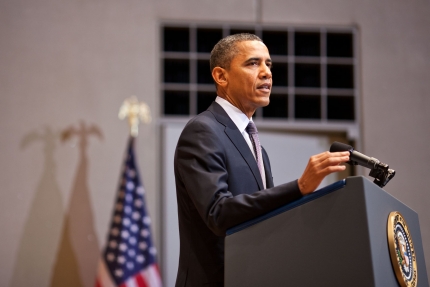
column 350, row 127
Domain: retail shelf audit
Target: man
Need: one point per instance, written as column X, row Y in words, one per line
column 223, row 175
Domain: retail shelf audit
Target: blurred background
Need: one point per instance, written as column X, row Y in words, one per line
column 351, row 71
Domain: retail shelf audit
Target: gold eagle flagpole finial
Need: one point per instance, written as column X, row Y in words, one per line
column 135, row 111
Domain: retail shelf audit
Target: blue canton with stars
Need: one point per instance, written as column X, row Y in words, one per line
column 129, row 247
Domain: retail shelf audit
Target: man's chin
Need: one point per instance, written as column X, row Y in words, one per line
column 264, row 102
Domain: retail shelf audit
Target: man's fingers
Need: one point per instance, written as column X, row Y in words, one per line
column 317, row 164
column 324, row 170
column 327, row 154
column 333, row 168
column 320, row 166
column 335, row 160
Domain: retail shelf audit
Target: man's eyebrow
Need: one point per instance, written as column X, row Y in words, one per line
column 253, row 59
column 257, row 59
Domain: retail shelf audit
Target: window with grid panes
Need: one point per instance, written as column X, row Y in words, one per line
column 314, row 71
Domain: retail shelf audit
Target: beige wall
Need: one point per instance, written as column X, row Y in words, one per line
column 63, row 62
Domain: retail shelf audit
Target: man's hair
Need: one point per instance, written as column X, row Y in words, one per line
column 225, row 50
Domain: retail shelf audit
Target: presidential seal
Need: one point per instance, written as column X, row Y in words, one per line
column 402, row 251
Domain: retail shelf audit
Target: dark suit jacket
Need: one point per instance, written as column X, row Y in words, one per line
column 218, row 185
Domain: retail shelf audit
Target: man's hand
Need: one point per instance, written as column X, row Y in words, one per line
column 319, row 166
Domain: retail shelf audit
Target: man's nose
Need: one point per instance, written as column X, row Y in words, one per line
column 265, row 72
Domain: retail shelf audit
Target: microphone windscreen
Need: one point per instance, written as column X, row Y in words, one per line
column 337, row 146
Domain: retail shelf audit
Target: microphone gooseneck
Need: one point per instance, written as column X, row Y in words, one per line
column 380, row 171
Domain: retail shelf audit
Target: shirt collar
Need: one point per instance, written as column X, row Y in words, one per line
column 237, row 116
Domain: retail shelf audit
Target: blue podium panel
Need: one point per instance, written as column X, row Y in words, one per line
column 335, row 237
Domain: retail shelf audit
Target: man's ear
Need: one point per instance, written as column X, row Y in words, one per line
column 220, row 76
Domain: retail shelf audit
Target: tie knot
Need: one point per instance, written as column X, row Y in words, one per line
column 251, row 128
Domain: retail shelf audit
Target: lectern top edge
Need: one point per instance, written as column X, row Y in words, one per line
column 315, row 195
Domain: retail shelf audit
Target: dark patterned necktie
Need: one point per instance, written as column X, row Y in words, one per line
column 251, row 129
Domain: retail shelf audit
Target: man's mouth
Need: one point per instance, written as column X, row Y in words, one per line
column 264, row 87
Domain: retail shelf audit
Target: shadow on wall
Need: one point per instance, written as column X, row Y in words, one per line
column 79, row 244
column 36, row 253
column 57, row 249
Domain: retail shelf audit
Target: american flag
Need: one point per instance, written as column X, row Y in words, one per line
column 129, row 256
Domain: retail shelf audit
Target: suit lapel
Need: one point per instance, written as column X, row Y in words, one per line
column 237, row 139
column 241, row 145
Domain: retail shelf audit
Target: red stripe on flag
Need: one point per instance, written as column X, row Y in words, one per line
column 158, row 270
column 140, row 280
column 98, row 283
column 123, row 285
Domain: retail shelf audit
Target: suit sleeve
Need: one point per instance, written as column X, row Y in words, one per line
column 200, row 164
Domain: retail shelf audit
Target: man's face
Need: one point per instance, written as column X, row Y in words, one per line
column 249, row 79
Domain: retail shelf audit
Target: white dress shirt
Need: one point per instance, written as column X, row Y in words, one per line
column 241, row 121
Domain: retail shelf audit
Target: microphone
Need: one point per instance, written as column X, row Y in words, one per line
column 380, row 171
column 355, row 156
